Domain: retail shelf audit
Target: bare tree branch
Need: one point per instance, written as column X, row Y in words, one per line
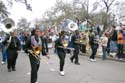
column 28, row 6
column 105, row 3
column 111, row 3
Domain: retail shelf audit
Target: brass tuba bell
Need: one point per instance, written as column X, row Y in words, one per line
column 8, row 25
column 72, row 26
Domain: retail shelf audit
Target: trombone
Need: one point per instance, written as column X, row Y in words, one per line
column 36, row 52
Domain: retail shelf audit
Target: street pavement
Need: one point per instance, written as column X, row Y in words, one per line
column 87, row 72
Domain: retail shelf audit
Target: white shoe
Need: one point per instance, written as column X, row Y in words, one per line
column 92, row 60
column 120, row 59
column 2, row 62
column 62, row 73
column 36, row 82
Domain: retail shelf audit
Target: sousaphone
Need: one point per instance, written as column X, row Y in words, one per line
column 72, row 26
column 7, row 25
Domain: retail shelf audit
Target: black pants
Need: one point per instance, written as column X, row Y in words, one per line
column 108, row 46
column 120, row 50
column 94, row 50
column 34, row 68
column 76, row 53
column 11, row 58
column 24, row 47
column 83, row 48
column 61, row 56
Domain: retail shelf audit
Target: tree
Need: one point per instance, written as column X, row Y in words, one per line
column 60, row 11
column 28, row 6
column 108, row 4
column 80, row 9
column 3, row 11
column 23, row 24
column 106, row 10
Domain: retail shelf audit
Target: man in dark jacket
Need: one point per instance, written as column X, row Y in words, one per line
column 12, row 46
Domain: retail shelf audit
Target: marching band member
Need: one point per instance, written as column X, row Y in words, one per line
column 12, row 46
column 33, row 42
column 76, row 46
column 61, row 51
column 93, row 44
column 44, row 44
column 83, row 42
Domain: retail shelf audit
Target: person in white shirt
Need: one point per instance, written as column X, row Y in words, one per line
column 104, row 45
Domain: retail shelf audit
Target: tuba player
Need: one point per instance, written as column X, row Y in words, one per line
column 12, row 46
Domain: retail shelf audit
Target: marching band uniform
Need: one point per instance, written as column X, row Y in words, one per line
column 61, row 52
column 34, row 41
column 83, row 43
column 25, row 39
column 44, row 45
column 76, row 47
column 93, row 44
column 12, row 51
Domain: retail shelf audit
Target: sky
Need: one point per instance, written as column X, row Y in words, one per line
column 18, row 10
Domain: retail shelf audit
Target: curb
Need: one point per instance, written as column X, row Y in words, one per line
column 107, row 58
column 110, row 58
